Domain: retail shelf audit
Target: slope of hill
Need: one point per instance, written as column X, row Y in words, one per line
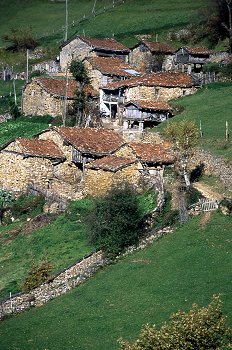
column 211, row 106
column 187, row 266
column 125, row 19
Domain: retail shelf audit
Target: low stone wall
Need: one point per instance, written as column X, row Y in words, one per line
column 62, row 283
column 216, row 166
column 69, row 278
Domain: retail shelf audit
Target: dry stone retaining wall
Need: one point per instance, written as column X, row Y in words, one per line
column 216, row 166
column 68, row 279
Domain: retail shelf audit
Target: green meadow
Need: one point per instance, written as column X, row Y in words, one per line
column 187, row 266
column 211, row 107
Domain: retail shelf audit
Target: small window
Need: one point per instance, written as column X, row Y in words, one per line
column 33, row 93
column 157, row 91
column 183, row 92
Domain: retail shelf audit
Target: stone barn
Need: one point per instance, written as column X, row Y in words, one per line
column 103, row 70
column 45, row 96
column 148, row 56
column 140, row 114
column 191, row 60
column 82, row 47
column 163, row 86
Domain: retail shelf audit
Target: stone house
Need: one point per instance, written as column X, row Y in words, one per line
column 29, row 163
column 191, row 60
column 103, row 173
column 148, row 56
column 50, row 67
column 45, row 96
column 82, row 47
column 104, row 70
column 139, row 114
column 163, row 86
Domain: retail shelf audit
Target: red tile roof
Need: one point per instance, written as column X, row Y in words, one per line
column 165, row 79
column 105, row 44
column 157, row 47
column 111, row 66
column 150, row 104
column 152, row 153
column 40, row 148
column 57, row 87
column 92, row 141
column 110, row 163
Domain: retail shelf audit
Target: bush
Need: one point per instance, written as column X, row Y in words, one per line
column 200, row 328
column 37, row 275
column 116, row 220
column 27, row 204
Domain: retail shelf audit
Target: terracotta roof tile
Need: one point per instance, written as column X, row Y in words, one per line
column 165, row 79
column 57, row 87
column 105, row 44
column 152, row 153
column 111, row 66
column 150, row 104
column 40, row 148
column 157, row 47
column 110, row 163
column 92, row 141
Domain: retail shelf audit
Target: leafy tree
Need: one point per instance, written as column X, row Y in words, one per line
column 183, row 136
column 20, row 39
column 6, row 200
column 199, row 329
column 79, row 106
column 225, row 11
column 116, row 220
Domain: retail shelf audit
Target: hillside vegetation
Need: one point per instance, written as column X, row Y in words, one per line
column 187, row 266
column 211, row 106
column 127, row 18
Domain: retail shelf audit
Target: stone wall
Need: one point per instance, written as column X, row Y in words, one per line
column 97, row 79
column 139, row 60
column 61, row 284
column 98, row 182
column 37, row 101
column 157, row 93
column 216, row 166
column 76, row 49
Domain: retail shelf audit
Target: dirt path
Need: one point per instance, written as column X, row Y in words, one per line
column 207, row 191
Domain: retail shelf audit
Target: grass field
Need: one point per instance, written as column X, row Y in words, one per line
column 22, row 127
column 124, row 20
column 62, row 242
column 212, row 106
column 187, row 266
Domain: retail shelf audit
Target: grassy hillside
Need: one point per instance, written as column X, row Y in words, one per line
column 187, row 266
column 22, row 127
column 124, row 20
column 212, row 106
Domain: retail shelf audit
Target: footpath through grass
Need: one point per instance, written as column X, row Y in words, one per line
column 212, row 106
column 187, row 266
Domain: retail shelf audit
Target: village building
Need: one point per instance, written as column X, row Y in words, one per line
column 50, row 67
column 82, row 47
column 191, row 60
column 46, row 96
column 163, row 86
column 104, row 70
column 148, row 56
column 140, row 114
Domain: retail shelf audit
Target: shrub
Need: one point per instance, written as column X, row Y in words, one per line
column 37, row 275
column 27, row 204
column 200, row 328
column 116, row 220
column 6, row 201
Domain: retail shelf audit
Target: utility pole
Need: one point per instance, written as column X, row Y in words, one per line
column 27, row 65
column 65, row 99
column 66, row 22
column 227, row 132
column 15, row 97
